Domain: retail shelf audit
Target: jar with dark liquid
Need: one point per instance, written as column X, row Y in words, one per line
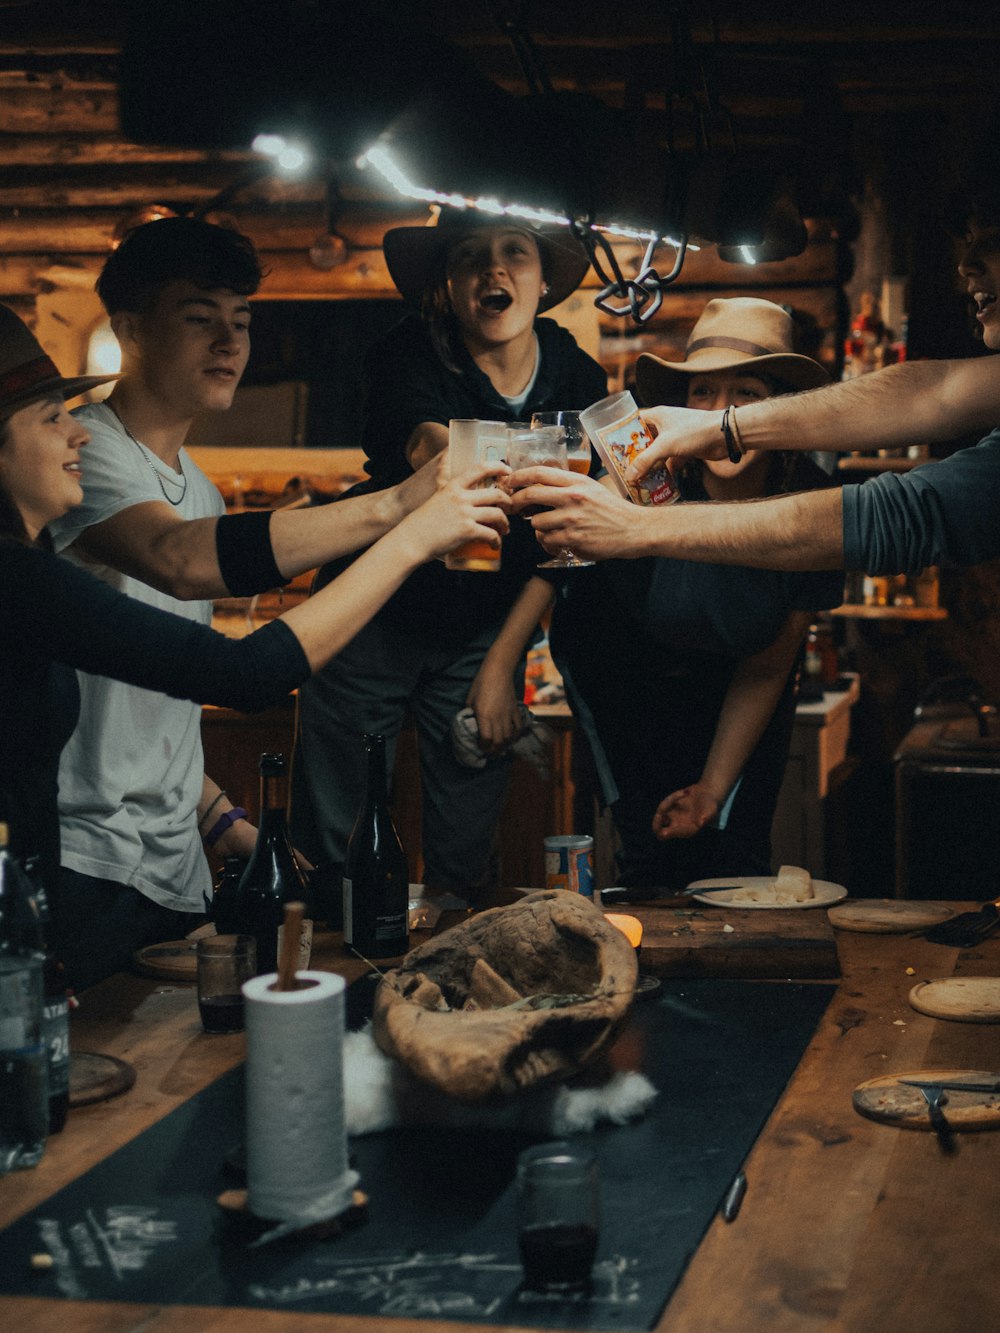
column 558, row 1210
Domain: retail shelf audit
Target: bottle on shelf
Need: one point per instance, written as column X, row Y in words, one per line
column 822, row 662
column 272, row 876
column 926, row 587
column 864, row 338
column 376, row 877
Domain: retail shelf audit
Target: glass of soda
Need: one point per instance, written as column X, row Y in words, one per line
column 224, row 963
column 558, row 1215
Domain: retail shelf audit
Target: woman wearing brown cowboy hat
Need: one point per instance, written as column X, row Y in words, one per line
column 57, row 617
column 449, row 639
column 683, row 675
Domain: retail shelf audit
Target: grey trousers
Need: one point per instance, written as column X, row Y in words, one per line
column 383, row 674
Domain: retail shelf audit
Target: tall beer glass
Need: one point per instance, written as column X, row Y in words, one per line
column 469, row 443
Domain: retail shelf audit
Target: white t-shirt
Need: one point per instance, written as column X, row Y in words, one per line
column 130, row 778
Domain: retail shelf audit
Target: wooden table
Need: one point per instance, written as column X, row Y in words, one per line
column 847, row 1226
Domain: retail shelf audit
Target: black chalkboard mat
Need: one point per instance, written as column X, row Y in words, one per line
column 440, row 1240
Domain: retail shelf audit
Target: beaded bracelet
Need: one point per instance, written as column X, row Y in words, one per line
column 731, row 434
column 225, row 821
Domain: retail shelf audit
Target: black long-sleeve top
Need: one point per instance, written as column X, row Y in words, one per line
column 55, row 617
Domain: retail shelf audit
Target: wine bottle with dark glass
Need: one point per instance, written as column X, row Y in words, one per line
column 376, row 878
column 272, row 877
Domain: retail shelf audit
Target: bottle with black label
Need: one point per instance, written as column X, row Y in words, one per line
column 376, row 879
column 272, row 877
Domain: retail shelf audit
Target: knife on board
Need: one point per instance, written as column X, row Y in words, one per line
column 968, row 928
column 954, row 1084
column 619, row 895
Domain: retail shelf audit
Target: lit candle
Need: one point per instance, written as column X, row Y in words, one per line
column 630, row 927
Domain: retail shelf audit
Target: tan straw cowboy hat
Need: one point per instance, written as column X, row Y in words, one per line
column 741, row 332
column 415, row 256
column 27, row 374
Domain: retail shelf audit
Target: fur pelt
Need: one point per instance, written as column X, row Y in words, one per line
column 380, row 1093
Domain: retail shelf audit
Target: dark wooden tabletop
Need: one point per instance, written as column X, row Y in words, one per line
column 847, row 1226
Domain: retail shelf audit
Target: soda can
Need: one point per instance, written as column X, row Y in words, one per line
column 569, row 863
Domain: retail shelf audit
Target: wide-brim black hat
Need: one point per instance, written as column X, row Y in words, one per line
column 26, row 373
column 416, row 256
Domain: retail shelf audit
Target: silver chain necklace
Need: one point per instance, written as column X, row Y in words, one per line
column 152, row 466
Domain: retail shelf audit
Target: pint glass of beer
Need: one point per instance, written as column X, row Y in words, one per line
column 469, row 443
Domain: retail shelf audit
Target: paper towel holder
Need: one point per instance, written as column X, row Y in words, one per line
column 235, row 1202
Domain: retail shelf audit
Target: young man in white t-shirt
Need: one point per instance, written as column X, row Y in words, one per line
column 135, row 803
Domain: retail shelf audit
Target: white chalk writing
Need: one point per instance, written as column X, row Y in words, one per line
column 424, row 1286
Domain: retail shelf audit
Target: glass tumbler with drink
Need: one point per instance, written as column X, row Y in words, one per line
column 619, row 435
column 540, row 446
column 471, row 442
column 577, row 460
column 224, row 963
column 558, row 1215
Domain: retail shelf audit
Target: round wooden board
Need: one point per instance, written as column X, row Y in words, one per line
column 886, row 916
column 964, row 999
column 96, row 1078
column 173, row 960
column 893, row 1103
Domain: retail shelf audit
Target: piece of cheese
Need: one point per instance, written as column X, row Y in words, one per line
column 763, row 894
column 793, row 884
column 790, row 885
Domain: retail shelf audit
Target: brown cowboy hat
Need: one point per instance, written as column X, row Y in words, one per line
column 27, row 374
column 739, row 332
column 416, row 256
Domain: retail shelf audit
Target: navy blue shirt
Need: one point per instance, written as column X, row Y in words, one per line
column 946, row 513
column 649, row 648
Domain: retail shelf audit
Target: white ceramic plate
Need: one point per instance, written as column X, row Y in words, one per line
column 824, row 893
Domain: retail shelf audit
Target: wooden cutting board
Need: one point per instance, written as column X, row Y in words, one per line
column 964, row 999
column 96, row 1078
column 887, row 916
column 693, row 941
column 173, row 960
column 894, row 1103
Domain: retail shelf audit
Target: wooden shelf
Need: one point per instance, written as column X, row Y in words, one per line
column 851, row 611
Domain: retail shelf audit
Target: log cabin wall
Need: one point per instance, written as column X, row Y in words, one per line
column 888, row 94
column 857, row 93
column 69, row 180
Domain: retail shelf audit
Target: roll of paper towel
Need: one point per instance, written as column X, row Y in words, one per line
column 297, row 1170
